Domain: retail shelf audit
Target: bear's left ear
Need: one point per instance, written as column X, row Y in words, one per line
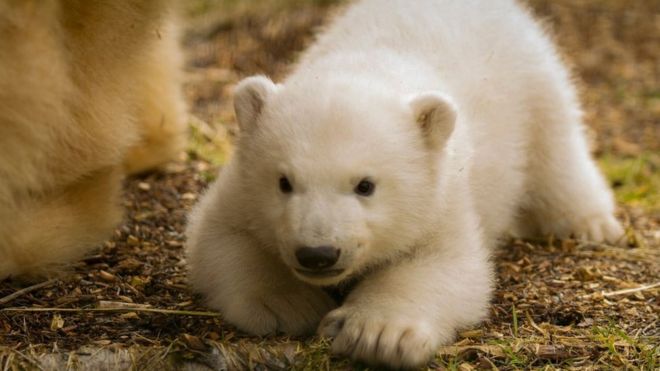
column 249, row 99
column 435, row 114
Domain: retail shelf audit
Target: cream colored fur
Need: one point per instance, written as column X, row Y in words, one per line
column 88, row 90
column 463, row 116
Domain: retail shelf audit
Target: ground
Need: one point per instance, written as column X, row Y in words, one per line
column 559, row 304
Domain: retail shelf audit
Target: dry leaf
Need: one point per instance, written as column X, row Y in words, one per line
column 57, row 322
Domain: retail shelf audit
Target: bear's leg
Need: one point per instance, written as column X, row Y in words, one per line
column 400, row 315
column 160, row 105
column 566, row 193
column 40, row 233
column 251, row 287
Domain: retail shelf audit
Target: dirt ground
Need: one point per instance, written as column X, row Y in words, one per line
column 558, row 304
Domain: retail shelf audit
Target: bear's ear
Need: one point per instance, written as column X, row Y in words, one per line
column 249, row 98
column 435, row 114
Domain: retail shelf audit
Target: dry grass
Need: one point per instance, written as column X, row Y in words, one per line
column 558, row 304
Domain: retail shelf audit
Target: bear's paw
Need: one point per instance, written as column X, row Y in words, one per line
column 394, row 340
column 290, row 313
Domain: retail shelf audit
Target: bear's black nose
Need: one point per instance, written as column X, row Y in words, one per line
column 317, row 258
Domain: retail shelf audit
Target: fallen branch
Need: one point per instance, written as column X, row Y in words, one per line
column 116, row 309
column 630, row 291
column 26, row 290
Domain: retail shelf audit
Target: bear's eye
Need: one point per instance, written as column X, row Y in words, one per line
column 365, row 188
column 285, row 185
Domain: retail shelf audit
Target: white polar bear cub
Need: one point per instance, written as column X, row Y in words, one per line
column 409, row 138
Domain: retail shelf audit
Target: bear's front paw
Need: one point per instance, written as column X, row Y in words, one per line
column 394, row 340
column 291, row 313
column 600, row 228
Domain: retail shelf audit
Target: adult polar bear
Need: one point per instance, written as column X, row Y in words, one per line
column 409, row 138
column 89, row 91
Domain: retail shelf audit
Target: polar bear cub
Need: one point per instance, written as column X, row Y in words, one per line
column 408, row 139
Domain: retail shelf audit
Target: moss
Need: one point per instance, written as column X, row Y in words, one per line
column 635, row 180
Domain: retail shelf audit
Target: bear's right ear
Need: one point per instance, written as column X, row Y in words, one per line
column 435, row 114
column 249, row 98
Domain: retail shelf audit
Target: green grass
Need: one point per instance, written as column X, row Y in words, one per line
column 635, row 180
column 207, row 143
column 644, row 351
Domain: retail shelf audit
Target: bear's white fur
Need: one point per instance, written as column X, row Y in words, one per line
column 88, row 91
column 465, row 119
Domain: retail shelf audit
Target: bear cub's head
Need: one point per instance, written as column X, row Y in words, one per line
column 339, row 175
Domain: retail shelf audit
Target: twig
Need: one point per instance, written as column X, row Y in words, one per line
column 26, row 290
column 32, row 361
column 515, row 321
column 534, row 325
column 118, row 309
column 628, row 291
